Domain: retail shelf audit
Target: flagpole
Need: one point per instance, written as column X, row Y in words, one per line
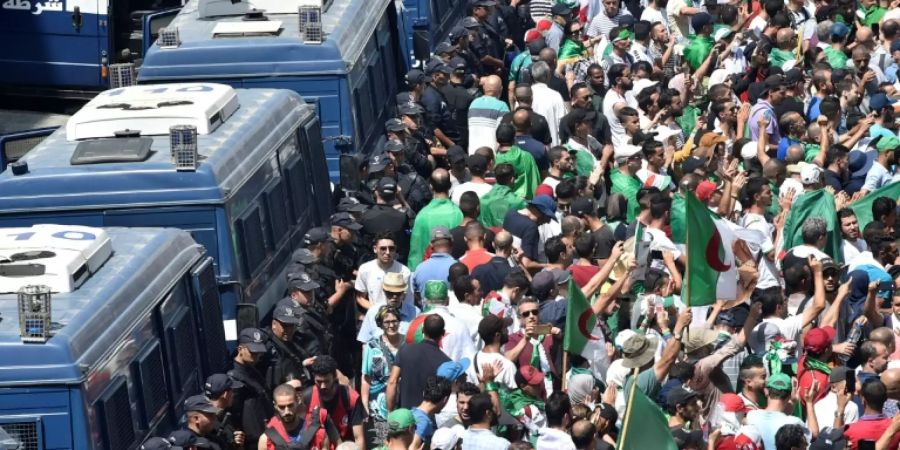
column 629, row 406
column 565, row 369
column 687, row 258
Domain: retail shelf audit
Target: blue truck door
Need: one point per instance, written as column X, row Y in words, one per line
column 57, row 43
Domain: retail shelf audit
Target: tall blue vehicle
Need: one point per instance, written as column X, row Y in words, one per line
column 105, row 333
column 428, row 22
column 243, row 170
column 343, row 56
column 64, row 48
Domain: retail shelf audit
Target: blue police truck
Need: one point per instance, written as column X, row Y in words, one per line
column 242, row 170
column 343, row 56
column 428, row 22
column 64, row 48
column 104, row 333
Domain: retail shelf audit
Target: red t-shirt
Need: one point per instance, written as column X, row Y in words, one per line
column 475, row 258
column 805, row 381
column 869, row 428
column 583, row 274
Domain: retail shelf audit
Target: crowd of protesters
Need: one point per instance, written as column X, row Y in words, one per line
column 545, row 149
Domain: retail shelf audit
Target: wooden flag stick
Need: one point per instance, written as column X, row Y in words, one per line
column 565, row 369
column 629, row 406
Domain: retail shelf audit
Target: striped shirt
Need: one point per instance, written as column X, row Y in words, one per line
column 670, row 67
column 601, row 24
column 540, row 9
column 485, row 113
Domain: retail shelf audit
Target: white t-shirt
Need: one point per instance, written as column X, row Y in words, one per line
column 767, row 270
column 551, row 439
column 679, row 25
column 826, row 408
column 507, row 375
column 469, row 315
column 790, row 327
column 852, row 249
column 769, row 422
column 478, row 188
column 371, row 275
column 654, row 15
column 619, row 137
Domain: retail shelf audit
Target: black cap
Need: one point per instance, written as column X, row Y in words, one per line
column 350, row 204
column 254, row 339
column 456, row 34
column 444, row 47
column 584, row 206
column 542, row 283
column 395, row 125
column 470, row 23
column 535, row 46
column 456, row 154
column 386, row 187
column 773, row 81
column 345, row 220
column 416, row 76
column 410, row 109
column 302, row 282
column 378, row 162
column 793, row 76
column 693, row 163
column 679, row 396
column 315, row 235
column 829, row 439
column 458, row 63
column 442, row 68
column 201, row 404
column 700, row 20
column 394, row 146
column 303, row 256
column 561, row 9
column 286, row 314
column 218, row 383
column 487, row 3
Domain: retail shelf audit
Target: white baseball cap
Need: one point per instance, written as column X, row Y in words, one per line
column 810, row 174
column 640, row 85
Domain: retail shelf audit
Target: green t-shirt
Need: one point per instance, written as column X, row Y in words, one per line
column 628, row 186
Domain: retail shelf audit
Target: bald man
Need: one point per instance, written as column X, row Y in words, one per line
column 521, row 120
column 891, row 380
column 485, row 113
column 784, row 54
column 440, row 212
column 492, row 273
column 539, row 129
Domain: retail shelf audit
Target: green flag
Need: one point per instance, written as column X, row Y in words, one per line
column 496, row 203
column 697, row 49
column 819, row 203
column 645, row 426
column 711, row 272
column 580, row 323
column 863, row 206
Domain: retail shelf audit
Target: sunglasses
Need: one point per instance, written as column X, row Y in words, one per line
column 389, row 248
column 529, row 313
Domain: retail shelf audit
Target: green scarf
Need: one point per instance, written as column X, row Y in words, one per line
column 536, row 353
column 872, row 15
column 815, row 364
column 571, row 51
column 697, row 49
column 777, row 56
column 771, row 359
column 515, row 402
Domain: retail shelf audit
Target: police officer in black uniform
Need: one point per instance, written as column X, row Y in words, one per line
column 388, row 216
column 313, row 333
column 414, row 188
column 437, row 115
column 284, row 359
column 461, row 38
column 487, row 45
column 346, row 249
column 459, row 97
column 398, row 130
column 219, row 389
column 252, row 405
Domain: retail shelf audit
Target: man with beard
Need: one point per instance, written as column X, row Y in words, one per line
column 494, row 331
column 202, row 420
column 853, row 243
column 484, row 416
column 879, row 175
column 561, row 163
column 219, row 389
column 824, row 87
column 286, row 426
column 463, row 395
column 771, row 96
column 338, row 408
column 620, row 83
column 596, row 82
column 837, row 158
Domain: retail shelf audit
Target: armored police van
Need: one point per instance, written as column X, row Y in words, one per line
column 103, row 333
column 343, row 56
column 242, row 170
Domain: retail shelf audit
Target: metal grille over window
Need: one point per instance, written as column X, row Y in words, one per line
column 183, row 140
column 121, row 75
column 34, row 313
column 168, row 38
column 20, row 435
column 311, row 24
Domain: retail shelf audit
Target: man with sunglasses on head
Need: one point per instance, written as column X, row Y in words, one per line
column 369, row 277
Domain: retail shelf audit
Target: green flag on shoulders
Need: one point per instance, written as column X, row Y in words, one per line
column 863, row 206
column 819, row 203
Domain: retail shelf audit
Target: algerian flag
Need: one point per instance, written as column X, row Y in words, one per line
column 580, row 323
column 712, row 271
column 645, row 426
column 863, row 206
column 677, row 219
